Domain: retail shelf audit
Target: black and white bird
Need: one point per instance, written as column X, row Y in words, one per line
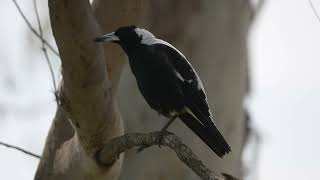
column 168, row 83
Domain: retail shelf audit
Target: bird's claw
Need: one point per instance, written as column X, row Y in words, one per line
column 161, row 136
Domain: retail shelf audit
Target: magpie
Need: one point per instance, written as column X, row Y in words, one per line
column 169, row 83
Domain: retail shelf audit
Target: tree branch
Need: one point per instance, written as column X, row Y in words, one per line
column 314, row 10
column 111, row 151
column 44, row 49
column 33, row 29
column 20, row 149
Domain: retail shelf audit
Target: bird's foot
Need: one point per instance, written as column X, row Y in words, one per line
column 162, row 134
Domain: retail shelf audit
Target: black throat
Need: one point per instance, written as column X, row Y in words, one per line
column 130, row 47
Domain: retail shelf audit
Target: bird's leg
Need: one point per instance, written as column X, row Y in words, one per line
column 164, row 129
column 162, row 132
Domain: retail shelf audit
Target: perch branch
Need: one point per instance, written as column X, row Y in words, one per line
column 20, row 149
column 111, row 151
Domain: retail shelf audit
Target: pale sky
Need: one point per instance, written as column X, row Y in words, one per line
column 285, row 98
column 284, row 52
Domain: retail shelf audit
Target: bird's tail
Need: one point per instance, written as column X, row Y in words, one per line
column 210, row 135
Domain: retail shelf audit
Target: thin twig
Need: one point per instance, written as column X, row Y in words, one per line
column 111, row 151
column 44, row 49
column 20, row 149
column 33, row 30
column 314, row 10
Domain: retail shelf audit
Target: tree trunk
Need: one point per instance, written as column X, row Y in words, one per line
column 88, row 116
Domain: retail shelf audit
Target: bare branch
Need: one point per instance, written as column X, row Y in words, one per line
column 33, row 30
column 44, row 49
column 111, row 151
column 314, row 10
column 20, row 149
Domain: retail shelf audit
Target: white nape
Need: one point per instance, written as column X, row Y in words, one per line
column 149, row 39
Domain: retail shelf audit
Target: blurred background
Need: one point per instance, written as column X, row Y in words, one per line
column 283, row 102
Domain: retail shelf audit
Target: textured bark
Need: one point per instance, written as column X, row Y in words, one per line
column 116, row 146
column 87, row 117
column 213, row 36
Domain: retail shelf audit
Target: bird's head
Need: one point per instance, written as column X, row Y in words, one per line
column 128, row 37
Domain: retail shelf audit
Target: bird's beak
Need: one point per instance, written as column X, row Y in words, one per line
column 107, row 37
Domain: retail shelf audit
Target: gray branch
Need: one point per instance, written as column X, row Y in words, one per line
column 33, row 30
column 20, row 149
column 44, row 49
column 111, row 151
column 314, row 10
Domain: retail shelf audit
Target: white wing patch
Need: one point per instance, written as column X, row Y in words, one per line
column 149, row 39
column 181, row 78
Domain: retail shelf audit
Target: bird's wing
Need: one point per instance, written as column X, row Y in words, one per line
column 191, row 84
